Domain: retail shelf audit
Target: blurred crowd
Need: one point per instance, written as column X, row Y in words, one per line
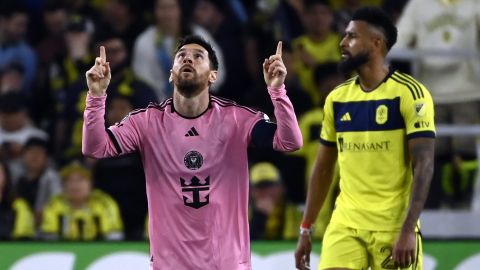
column 48, row 190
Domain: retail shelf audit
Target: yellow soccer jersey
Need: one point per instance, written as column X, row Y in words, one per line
column 371, row 131
column 98, row 220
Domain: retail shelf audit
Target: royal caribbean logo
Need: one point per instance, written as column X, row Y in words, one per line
column 197, row 187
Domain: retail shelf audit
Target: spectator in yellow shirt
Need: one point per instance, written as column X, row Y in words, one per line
column 268, row 203
column 318, row 45
column 16, row 217
column 81, row 212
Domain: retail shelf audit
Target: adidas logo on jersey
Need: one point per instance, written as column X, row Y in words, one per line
column 191, row 132
column 346, row 117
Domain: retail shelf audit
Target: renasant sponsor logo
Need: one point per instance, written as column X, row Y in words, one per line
column 379, row 146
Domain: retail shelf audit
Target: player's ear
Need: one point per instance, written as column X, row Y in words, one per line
column 170, row 79
column 212, row 77
column 379, row 43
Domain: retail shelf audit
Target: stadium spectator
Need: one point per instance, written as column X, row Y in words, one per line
column 55, row 20
column 318, row 45
column 154, row 48
column 16, row 217
column 39, row 181
column 16, row 127
column 268, row 203
column 81, row 212
column 447, row 27
column 50, row 48
column 13, row 45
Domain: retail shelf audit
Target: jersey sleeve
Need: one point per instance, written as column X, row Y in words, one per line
column 126, row 134
column 328, row 135
column 418, row 113
column 287, row 137
column 98, row 142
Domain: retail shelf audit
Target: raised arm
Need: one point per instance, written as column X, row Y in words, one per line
column 422, row 154
column 95, row 139
column 286, row 134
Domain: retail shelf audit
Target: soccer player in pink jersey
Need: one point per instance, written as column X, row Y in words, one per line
column 194, row 151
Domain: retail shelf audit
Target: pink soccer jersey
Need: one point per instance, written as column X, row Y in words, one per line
column 197, row 175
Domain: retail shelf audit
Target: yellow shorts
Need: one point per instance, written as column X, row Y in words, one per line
column 345, row 247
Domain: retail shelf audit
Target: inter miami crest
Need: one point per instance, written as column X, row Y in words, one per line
column 197, row 187
column 193, row 160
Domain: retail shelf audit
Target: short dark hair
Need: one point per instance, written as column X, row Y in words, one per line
column 378, row 18
column 36, row 142
column 194, row 39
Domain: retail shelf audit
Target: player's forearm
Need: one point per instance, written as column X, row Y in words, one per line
column 422, row 154
column 319, row 182
column 288, row 136
column 95, row 140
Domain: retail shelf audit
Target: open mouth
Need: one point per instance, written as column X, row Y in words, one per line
column 345, row 54
column 187, row 69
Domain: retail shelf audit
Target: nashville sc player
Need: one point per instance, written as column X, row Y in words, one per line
column 379, row 125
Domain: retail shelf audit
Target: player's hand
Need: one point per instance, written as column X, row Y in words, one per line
column 98, row 77
column 404, row 249
column 274, row 71
column 302, row 253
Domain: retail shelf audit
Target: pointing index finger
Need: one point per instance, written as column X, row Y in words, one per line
column 103, row 54
column 279, row 48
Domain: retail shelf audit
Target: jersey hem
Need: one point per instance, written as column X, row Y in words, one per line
column 421, row 134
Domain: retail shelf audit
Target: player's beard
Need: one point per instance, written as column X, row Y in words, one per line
column 189, row 87
column 351, row 63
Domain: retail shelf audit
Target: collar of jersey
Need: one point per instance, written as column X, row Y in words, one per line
column 391, row 70
column 193, row 117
